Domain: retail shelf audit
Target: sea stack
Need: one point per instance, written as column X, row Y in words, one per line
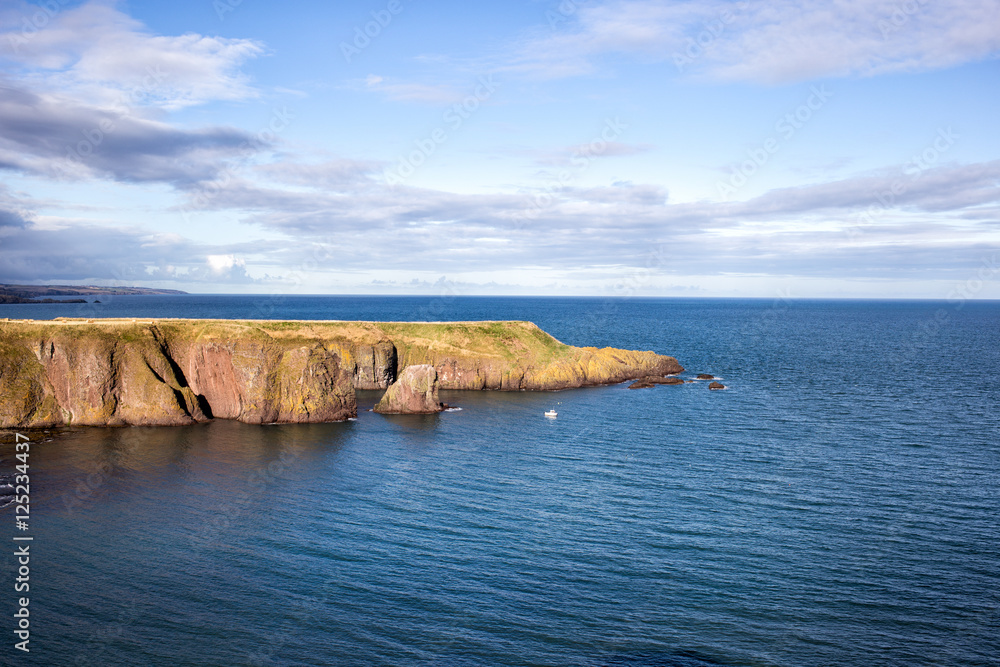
column 414, row 393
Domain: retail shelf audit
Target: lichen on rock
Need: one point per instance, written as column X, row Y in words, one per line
column 117, row 372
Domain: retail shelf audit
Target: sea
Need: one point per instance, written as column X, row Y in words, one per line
column 837, row 504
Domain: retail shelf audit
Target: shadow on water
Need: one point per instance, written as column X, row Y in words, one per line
column 83, row 465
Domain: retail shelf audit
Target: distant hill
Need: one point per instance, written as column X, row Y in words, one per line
column 30, row 293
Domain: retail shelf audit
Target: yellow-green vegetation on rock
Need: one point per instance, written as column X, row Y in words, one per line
column 117, row 373
column 515, row 356
column 174, row 371
column 25, row 398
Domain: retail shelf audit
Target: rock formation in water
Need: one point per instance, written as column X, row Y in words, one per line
column 651, row 381
column 173, row 371
column 414, row 393
column 716, row 385
column 705, row 376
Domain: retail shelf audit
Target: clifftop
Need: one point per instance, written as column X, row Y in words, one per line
column 175, row 371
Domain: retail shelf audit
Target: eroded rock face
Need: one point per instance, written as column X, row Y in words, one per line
column 415, row 392
column 167, row 371
column 579, row 367
column 137, row 375
column 262, row 381
column 374, row 365
column 100, row 381
column 28, row 397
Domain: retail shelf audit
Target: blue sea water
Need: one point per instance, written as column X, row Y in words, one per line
column 836, row 505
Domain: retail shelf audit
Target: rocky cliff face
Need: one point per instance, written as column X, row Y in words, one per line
column 259, row 382
column 134, row 374
column 512, row 356
column 374, row 365
column 167, row 372
column 415, row 392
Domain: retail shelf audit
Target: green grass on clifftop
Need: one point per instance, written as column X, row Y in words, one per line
column 506, row 340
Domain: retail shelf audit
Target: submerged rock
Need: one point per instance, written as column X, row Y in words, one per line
column 653, row 380
column 705, row 376
column 414, row 393
column 716, row 385
column 641, row 384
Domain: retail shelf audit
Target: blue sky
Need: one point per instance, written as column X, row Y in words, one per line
column 788, row 148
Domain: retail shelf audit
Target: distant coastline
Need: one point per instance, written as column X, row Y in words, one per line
column 31, row 293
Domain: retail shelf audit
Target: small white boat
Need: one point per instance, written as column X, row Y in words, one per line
column 551, row 413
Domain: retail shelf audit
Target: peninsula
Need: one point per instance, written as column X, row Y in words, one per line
column 33, row 293
column 118, row 372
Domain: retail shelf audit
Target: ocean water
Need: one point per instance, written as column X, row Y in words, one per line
column 837, row 504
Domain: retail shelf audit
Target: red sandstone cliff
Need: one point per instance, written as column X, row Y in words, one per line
column 168, row 372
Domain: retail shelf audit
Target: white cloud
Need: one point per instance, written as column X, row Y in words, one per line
column 71, row 250
column 824, row 228
column 85, row 92
column 97, row 53
column 223, row 263
column 772, row 42
column 402, row 91
column 341, row 220
column 599, row 148
column 62, row 139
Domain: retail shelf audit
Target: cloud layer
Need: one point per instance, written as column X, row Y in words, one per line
column 98, row 53
column 778, row 41
column 94, row 97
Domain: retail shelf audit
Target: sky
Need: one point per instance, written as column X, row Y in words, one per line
column 787, row 148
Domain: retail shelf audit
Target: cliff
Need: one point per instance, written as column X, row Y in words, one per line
column 515, row 356
column 414, row 393
column 171, row 371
